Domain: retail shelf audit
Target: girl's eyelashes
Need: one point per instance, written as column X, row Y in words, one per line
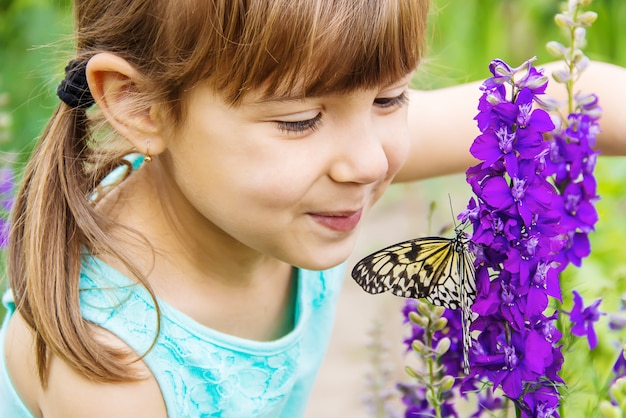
column 299, row 126
column 398, row 101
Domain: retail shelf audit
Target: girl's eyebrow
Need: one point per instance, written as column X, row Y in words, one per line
column 281, row 98
column 287, row 97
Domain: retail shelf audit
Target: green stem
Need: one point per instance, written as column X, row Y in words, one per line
column 507, row 404
column 570, row 107
column 571, row 67
column 431, row 373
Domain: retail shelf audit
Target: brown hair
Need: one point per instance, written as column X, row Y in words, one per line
column 282, row 47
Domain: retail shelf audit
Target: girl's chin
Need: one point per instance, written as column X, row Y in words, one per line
column 326, row 259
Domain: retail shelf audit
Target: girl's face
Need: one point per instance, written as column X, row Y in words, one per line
column 284, row 177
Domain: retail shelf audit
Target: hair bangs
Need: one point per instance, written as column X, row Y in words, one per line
column 297, row 49
column 282, row 48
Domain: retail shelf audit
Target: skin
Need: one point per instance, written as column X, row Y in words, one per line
column 286, row 197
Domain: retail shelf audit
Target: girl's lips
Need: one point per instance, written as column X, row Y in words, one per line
column 338, row 221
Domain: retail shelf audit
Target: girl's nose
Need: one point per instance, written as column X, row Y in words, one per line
column 360, row 157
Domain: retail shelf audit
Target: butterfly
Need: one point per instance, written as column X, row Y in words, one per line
column 441, row 270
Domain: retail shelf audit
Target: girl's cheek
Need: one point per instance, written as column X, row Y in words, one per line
column 397, row 152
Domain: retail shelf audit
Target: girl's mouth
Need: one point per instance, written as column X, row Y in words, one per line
column 341, row 221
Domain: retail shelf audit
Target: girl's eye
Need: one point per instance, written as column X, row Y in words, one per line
column 300, row 126
column 397, row 101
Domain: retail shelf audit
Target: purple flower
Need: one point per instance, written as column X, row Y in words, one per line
column 414, row 398
column 503, row 300
column 619, row 368
column 617, row 322
column 511, row 131
column 513, row 364
column 521, row 237
column 486, row 402
column 543, row 403
column 583, row 319
column 577, row 209
column 544, row 282
column 531, row 216
column 534, row 80
column 7, row 188
column 576, row 246
column 416, row 402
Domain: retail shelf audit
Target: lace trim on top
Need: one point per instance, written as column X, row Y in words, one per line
column 202, row 372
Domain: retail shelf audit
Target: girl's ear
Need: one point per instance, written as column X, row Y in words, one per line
column 113, row 84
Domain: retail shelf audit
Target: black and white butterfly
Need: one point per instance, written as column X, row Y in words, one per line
column 441, row 270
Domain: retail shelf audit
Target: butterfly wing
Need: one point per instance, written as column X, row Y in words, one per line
column 438, row 269
column 410, row 269
column 467, row 272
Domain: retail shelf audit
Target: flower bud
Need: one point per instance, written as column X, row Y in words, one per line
column 5, row 120
column 586, row 100
column 577, row 56
column 430, row 398
column 618, row 390
column 609, row 411
column 493, row 99
column 420, row 348
column 587, row 18
column 438, row 312
column 424, row 309
column 411, row 372
column 418, row 320
column 440, row 324
column 582, row 64
column 564, row 21
column 443, row 346
column 500, row 68
column 535, row 82
column 561, row 76
column 556, row 49
column 594, row 113
column 580, row 40
column 446, row 383
column 549, row 104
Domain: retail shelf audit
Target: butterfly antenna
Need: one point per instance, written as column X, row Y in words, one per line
column 456, row 227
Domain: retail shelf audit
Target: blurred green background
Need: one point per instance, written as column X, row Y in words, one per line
column 35, row 45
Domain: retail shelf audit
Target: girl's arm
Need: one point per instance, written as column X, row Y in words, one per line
column 442, row 127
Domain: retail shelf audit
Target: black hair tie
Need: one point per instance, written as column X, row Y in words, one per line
column 74, row 90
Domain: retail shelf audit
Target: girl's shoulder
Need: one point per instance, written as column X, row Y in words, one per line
column 68, row 393
column 19, row 365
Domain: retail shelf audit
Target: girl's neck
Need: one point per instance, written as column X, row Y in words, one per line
column 200, row 270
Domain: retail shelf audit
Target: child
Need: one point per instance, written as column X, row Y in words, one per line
column 200, row 279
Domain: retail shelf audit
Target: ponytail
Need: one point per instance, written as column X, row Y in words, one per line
column 53, row 223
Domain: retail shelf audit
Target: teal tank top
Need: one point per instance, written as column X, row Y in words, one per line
column 202, row 372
